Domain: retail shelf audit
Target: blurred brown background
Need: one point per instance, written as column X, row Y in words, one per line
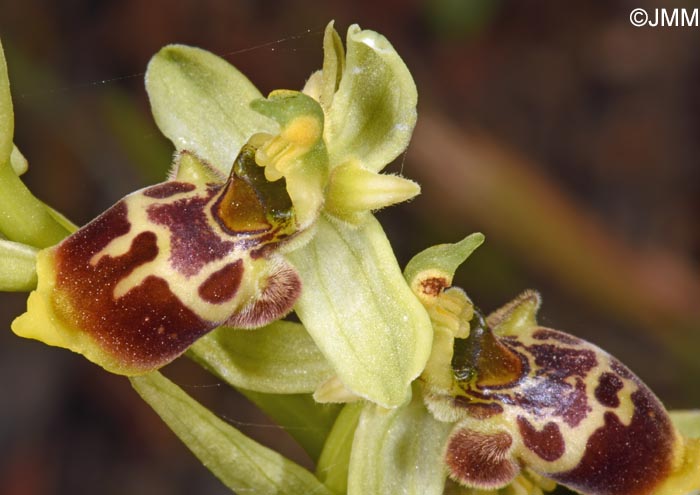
column 569, row 137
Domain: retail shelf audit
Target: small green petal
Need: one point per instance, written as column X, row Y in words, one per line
column 379, row 339
column 373, row 112
column 354, row 191
column 202, row 103
column 398, row 451
column 437, row 264
column 7, row 120
column 332, row 467
column 17, row 266
column 333, row 65
column 242, row 464
column 280, row 358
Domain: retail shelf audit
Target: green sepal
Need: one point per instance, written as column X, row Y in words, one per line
column 373, row 112
column 398, row 451
column 379, row 339
column 332, row 467
column 202, row 104
column 242, row 464
column 307, row 421
column 280, row 358
column 17, row 267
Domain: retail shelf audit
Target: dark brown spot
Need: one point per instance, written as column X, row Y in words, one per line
column 193, row 241
column 167, row 189
column 626, row 460
column 479, row 410
column 136, row 328
column 622, row 370
column 548, row 333
column 609, row 384
column 480, row 460
column 548, row 443
column 433, row 286
column 559, row 362
column 223, row 284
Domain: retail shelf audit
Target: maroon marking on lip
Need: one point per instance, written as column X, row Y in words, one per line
column 609, row 384
column 479, row 410
column 626, row 460
column 433, row 286
column 561, row 362
column 548, row 333
column 146, row 327
column 222, row 285
column 622, row 370
column 193, row 242
column 167, row 189
column 480, row 460
column 548, row 443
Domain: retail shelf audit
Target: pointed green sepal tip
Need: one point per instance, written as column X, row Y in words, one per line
column 432, row 270
column 517, row 316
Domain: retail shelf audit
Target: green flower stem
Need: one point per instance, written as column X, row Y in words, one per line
column 242, row 464
column 17, row 267
column 332, row 467
column 23, row 218
column 308, row 422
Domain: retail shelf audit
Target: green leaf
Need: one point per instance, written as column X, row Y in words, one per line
column 373, row 113
column 360, row 312
column 687, row 422
column 398, row 451
column 202, row 103
column 17, row 266
column 7, row 119
column 242, row 464
column 332, row 467
column 300, row 415
column 280, row 358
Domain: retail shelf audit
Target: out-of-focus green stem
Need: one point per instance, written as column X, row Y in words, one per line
column 23, row 218
column 332, row 467
column 308, row 422
column 17, row 267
